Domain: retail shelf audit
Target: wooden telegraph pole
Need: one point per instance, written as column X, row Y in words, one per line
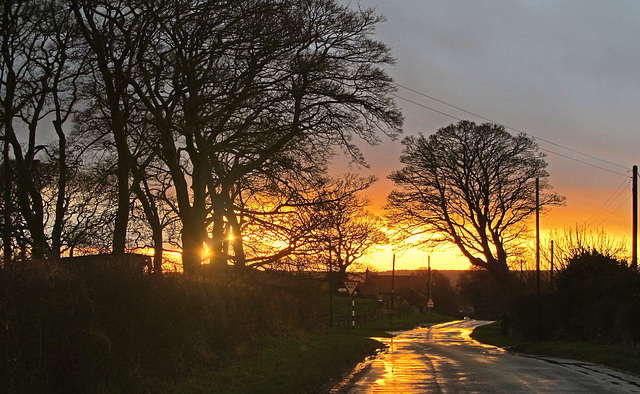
column 552, row 268
column 634, row 236
column 429, row 276
column 393, row 285
column 537, row 311
column 393, row 280
column 330, row 275
column 537, row 237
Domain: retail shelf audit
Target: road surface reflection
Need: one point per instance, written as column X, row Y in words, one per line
column 443, row 358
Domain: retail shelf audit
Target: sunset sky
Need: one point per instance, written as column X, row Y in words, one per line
column 565, row 72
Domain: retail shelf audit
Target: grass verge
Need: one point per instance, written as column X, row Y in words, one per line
column 306, row 363
column 624, row 358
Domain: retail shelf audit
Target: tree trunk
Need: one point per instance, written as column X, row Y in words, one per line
column 218, row 242
column 122, row 214
column 6, row 212
column 192, row 242
column 151, row 213
column 158, row 250
column 500, row 271
column 56, row 233
column 240, row 258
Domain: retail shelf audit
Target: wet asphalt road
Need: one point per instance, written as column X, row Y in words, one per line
column 444, row 359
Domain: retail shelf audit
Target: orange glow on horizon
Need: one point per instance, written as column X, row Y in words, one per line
column 616, row 222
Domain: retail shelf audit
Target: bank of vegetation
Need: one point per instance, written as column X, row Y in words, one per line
column 66, row 331
column 590, row 311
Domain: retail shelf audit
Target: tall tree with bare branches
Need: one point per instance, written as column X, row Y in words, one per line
column 472, row 186
column 232, row 87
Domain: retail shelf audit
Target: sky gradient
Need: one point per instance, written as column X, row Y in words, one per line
column 565, row 72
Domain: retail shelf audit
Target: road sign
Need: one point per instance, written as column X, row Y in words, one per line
column 430, row 303
column 351, row 286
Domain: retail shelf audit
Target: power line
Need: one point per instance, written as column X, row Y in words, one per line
column 424, row 106
column 584, row 162
column 614, row 211
column 612, row 198
column 508, row 127
column 600, row 210
column 593, row 206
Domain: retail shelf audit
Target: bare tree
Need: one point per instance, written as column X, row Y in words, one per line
column 196, row 106
column 472, row 186
column 306, row 226
column 579, row 240
column 231, row 86
column 350, row 232
column 278, row 221
column 109, row 29
column 23, row 99
column 38, row 85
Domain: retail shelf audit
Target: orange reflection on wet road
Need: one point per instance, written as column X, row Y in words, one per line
column 444, row 358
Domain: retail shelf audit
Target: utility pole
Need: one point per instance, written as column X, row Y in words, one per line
column 393, row 280
column 429, row 299
column 429, row 277
column 634, row 236
column 537, row 237
column 551, row 277
column 330, row 273
column 537, row 311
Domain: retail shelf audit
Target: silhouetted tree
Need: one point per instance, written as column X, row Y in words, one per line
column 444, row 295
column 600, row 294
column 231, row 87
column 41, row 68
column 300, row 227
column 478, row 289
column 191, row 107
column 350, row 231
column 111, row 32
column 591, row 276
column 472, row 186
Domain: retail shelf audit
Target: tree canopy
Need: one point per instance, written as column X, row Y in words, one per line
column 190, row 110
column 469, row 185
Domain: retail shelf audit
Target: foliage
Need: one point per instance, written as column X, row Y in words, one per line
column 596, row 299
column 603, row 291
column 445, row 297
column 483, row 293
column 581, row 239
column 591, row 276
column 472, row 186
column 113, row 333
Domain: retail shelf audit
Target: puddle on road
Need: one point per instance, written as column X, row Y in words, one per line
column 398, row 365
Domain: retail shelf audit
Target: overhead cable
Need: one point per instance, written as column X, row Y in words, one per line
column 508, row 127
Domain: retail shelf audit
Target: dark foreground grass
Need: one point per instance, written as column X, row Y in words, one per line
column 307, row 363
column 625, row 358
